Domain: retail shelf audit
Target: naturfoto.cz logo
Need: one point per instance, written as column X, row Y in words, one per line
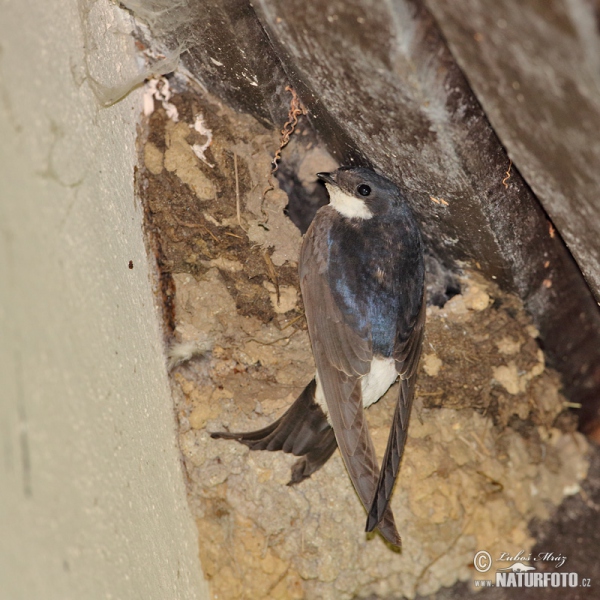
column 520, row 575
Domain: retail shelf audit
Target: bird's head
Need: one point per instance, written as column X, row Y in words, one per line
column 358, row 192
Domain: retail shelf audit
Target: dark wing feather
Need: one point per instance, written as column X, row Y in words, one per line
column 342, row 357
column 302, row 430
column 406, row 354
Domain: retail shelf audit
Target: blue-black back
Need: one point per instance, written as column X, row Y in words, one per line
column 376, row 274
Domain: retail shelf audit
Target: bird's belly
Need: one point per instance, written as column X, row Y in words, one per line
column 376, row 383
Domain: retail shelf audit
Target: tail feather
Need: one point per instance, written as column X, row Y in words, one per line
column 303, row 430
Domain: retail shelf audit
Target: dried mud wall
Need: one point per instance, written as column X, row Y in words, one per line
column 491, row 445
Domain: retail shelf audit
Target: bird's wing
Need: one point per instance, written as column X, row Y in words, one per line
column 342, row 356
column 406, row 354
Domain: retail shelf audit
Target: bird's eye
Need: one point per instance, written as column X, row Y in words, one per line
column 363, row 189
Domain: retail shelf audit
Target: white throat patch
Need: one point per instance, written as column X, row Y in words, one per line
column 347, row 205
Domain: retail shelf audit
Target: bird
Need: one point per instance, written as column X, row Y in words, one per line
column 362, row 279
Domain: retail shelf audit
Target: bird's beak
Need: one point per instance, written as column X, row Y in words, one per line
column 327, row 178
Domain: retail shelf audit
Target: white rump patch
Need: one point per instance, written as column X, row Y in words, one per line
column 320, row 396
column 373, row 385
column 347, row 205
column 377, row 382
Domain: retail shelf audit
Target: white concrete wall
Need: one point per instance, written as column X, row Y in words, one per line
column 92, row 499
